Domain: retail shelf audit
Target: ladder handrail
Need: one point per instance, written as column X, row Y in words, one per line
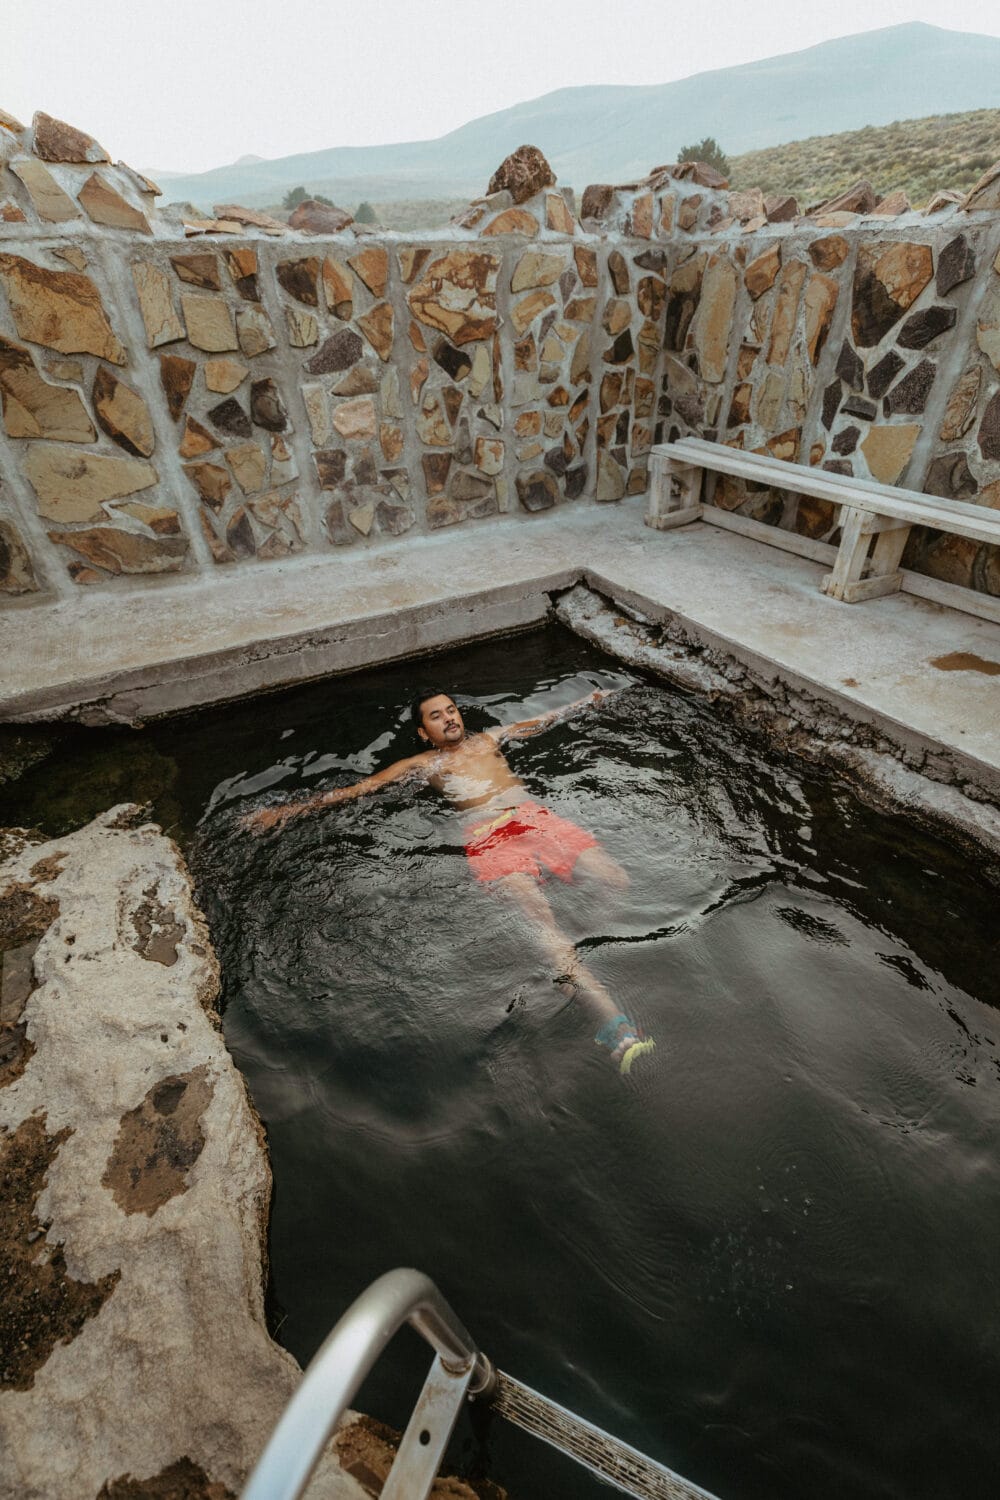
column 341, row 1363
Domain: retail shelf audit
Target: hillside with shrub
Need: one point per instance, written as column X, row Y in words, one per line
column 919, row 156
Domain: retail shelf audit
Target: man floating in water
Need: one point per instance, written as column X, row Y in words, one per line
column 511, row 841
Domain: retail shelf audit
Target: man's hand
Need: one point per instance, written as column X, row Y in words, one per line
column 599, row 695
column 267, row 817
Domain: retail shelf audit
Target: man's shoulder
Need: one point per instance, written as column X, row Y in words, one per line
column 418, row 761
column 406, row 766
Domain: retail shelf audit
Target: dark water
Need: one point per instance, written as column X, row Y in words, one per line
column 772, row 1261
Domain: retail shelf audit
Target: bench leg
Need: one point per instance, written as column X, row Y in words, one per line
column 884, row 577
column 852, row 554
column 889, row 548
column 674, row 493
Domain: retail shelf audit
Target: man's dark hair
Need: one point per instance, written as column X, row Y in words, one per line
column 419, row 701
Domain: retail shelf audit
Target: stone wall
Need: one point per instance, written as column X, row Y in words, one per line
column 179, row 397
column 859, row 339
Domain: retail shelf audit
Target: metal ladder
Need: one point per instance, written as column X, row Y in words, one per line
column 459, row 1372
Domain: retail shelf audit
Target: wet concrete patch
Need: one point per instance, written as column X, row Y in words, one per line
column 42, row 1304
column 24, row 918
column 183, row 1480
column 157, row 929
column 158, row 1143
column 966, row 661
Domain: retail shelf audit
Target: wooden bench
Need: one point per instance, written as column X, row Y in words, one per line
column 875, row 520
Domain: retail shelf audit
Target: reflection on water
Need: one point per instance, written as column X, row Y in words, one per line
column 772, row 1261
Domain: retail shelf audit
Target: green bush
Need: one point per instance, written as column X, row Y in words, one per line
column 708, row 151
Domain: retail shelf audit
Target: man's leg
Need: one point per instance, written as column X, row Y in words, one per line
column 623, row 1040
column 614, row 1031
column 598, row 864
column 588, row 989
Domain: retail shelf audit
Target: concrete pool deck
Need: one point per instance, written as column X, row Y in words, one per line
column 156, row 649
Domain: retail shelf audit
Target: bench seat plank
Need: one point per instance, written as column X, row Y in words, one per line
column 978, row 522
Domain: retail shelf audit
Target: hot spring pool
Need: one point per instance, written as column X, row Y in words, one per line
column 771, row 1261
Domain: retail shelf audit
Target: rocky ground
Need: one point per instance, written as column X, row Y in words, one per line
column 134, row 1357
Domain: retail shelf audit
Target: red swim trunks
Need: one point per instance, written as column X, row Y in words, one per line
column 523, row 840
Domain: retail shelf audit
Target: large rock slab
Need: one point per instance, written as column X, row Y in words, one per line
column 377, row 327
column 72, row 486
column 49, row 199
column 177, row 377
column 115, row 551
column 710, row 334
column 209, row 323
column 457, row 295
column 250, row 217
column 156, row 304
column 960, row 412
column 820, row 302
column 988, row 324
column 984, row 194
column 105, row 205
column 537, row 268
column 372, row 265
column 60, row 309
column 859, row 198
column 32, row 408
column 54, row 140
column 889, row 278
column 522, row 174
column 887, row 451
column 761, row 273
column 786, row 306
column 16, row 573
column 123, row 414
column 313, row 217
column 135, row 1355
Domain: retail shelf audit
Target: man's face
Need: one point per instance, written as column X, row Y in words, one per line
column 441, row 722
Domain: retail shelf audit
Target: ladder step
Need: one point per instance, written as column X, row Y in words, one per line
column 624, row 1467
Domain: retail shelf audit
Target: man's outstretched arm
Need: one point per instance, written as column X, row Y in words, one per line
column 526, row 727
column 271, row 817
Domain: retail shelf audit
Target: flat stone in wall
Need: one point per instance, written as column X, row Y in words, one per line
column 16, row 573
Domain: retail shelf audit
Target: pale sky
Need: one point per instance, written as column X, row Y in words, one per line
column 185, row 85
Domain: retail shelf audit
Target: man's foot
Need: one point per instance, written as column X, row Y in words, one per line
column 638, row 1047
column 625, row 1041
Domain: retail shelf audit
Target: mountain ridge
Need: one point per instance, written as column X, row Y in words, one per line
column 614, row 132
